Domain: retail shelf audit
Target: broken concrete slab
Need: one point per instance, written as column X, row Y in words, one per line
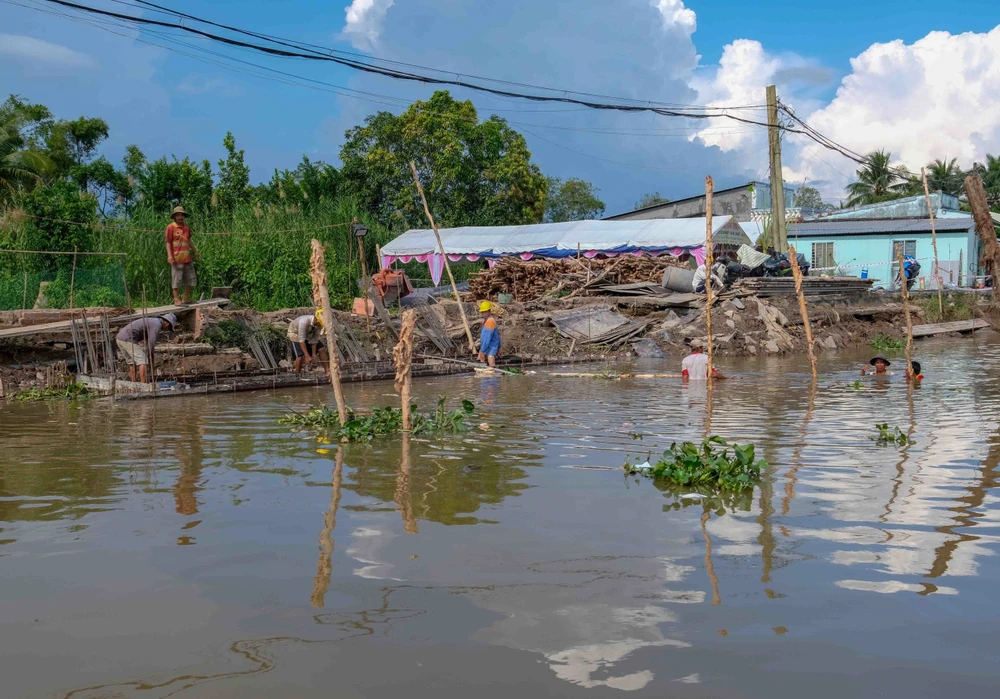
column 648, row 349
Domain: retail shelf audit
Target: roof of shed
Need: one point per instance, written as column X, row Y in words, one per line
column 878, row 226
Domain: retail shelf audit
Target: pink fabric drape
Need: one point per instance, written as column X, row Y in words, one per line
column 436, row 264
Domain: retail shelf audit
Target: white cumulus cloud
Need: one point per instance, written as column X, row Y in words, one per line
column 364, row 22
column 675, row 14
column 31, row 52
column 935, row 98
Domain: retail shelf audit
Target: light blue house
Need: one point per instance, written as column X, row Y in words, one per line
column 861, row 241
column 867, row 247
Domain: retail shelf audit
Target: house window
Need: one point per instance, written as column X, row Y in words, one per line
column 909, row 248
column 822, row 255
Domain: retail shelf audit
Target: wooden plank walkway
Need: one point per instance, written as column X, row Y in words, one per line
column 958, row 326
column 64, row 325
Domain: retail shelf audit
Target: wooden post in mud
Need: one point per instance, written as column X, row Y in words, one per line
column 402, row 355
column 444, row 257
column 72, row 278
column 709, row 261
column 937, row 268
column 321, row 297
column 906, row 309
column 797, row 273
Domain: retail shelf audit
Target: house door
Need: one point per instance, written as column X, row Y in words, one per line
column 909, row 248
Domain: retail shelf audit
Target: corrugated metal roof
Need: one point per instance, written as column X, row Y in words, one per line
column 877, row 226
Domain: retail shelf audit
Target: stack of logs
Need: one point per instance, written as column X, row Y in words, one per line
column 532, row 279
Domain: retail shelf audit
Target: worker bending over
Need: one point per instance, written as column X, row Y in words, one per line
column 304, row 333
column 695, row 365
column 489, row 337
column 701, row 275
column 138, row 339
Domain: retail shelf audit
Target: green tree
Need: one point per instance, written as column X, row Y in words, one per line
column 474, row 173
column 162, row 184
column 54, row 209
column 71, row 144
column 650, row 199
column 572, row 200
column 877, row 181
column 808, row 198
column 20, row 169
column 946, row 176
column 990, row 174
column 303, row 188
column 234, row 175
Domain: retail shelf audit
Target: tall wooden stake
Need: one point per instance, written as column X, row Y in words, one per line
column 365, row 280
column 779, row 235
column 906, row 309
column 321, row 297
column 402, row 354
column 72, row 278
column 797, row 273
column 937, row 268
column 984, row 226
column 451, row 277
column 709, row 261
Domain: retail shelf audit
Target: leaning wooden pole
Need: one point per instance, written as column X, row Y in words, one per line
column 797, row 273
column 906, row 310
column 709, row 261
column 451, row 277
column 402, row 355
column 321, row 297
column 937, row 267
column 984, row 227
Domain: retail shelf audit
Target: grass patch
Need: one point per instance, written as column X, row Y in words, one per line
column 72, row 391
column 884, row 343
column 957, row 306
column 710, row 464
column 380, row 422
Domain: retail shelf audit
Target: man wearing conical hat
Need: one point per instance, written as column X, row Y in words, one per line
column 181, row 255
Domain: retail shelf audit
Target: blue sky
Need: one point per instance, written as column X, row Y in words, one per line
column 836, row 63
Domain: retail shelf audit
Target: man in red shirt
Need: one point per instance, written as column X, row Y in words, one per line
column 181, row 255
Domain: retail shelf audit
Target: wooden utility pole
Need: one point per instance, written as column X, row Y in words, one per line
column 984, row 226
column 321, row 297
column 402, row 355
column 905, row 292
column 937, row 268
column 793, row 257
column 779, row 232
column 451, row 277
column 709, row 261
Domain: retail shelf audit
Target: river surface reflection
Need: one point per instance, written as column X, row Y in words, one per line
column 193, row 547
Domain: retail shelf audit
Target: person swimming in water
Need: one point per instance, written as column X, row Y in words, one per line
column 877, row 366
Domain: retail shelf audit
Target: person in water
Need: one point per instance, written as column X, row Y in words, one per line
column 913, row 371
column 695, row 365
column 877, row 366
column 489, row 337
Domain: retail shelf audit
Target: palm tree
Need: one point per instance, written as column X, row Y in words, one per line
column 19, row 168
column 990, row 172
column 946, row 176
column 877, row 180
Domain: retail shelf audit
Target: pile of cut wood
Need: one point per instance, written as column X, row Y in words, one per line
column 532, row 279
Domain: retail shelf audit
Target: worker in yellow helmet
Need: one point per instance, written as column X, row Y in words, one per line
column 489, row 337
column 304, row 333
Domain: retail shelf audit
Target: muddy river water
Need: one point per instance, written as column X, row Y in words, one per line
column 193, row 547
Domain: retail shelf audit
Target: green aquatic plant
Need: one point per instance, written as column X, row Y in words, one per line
column 890, row 436
column 72, row 390
column 883, row 343
column 364, row 427
column 709, row 464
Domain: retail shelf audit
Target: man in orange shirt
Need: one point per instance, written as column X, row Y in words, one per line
column 181, row 255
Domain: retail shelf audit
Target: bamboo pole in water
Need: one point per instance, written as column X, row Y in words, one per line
column 709, row 261
column 937, row 268
column 797, row 273
column 444, row 257
column 321, row 297
column 402, row 355
column 906, row 309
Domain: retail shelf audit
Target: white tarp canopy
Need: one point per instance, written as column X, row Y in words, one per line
column 565, row 239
